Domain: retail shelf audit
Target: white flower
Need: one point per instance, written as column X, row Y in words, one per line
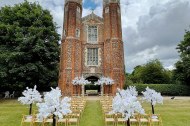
column 126, row 102
column 104, row 80
column 80, row 81
column 152, row 96
column 53, row 104
column 30, row 96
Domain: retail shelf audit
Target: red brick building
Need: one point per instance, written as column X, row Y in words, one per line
column 91, row 46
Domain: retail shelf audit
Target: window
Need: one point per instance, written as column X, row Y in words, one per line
column 92, row 33
column 118, row 10
column 78, row 13
column 78, row 9
column 64, row 32
column 77, row 33
column 106, row 9
column 92, row 56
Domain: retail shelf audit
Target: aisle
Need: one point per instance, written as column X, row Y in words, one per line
column 92, row 115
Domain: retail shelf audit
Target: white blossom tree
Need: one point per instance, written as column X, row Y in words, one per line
column 153, row 97
column 54, row 105
column 126, row 102
column 104, row 81
column 30, row 96
column 80, row 81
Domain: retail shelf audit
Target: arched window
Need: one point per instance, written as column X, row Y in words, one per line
column 92, row 56
column 77, row 33
column 92, row 34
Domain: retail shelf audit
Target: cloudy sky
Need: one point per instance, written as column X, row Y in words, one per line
column 151, row 28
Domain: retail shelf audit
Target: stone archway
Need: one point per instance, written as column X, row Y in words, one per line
column 92, row 89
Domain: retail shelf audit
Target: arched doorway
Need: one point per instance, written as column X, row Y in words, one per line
column 92, row 89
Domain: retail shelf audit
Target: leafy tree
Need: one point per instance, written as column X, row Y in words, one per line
column 29, row 49
column 182, row 71
column 128, row 80
column 136, row 75
column 151, row 73
column 155, row 73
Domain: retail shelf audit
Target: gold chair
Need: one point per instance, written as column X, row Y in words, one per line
column 27, row 120
column 135, row 120
column 48, row 121
column 62, row 122
column 72, row 119
column 156, row 120
column 144, row 120
column 120, row 119
column 110, row 118
column 37, row 122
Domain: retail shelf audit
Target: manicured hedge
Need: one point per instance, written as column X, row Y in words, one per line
column 165, row 89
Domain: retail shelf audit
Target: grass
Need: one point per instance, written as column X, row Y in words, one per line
column 92, row 115
column 174, row 112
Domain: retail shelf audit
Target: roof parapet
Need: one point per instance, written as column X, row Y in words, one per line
column 110, row 1
column 77, row 1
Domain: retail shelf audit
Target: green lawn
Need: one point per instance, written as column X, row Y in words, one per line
column 174, row 112
column 92, row 115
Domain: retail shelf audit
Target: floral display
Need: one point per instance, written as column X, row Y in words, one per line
column 105, row 81
column 130, row 90
column 153, row 97
column 30, row 96
column 54, row 105
column 80, row 81
column 126, row 102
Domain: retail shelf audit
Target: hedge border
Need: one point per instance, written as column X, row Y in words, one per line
column 165, row 89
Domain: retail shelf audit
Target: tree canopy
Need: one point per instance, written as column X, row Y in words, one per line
column 152, row 72
column 182, row 71
column 29, row 48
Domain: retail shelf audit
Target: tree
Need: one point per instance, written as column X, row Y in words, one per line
column 29, row 97
column 136, row 75
column 152, row 72
column 128, row 80
column 29, row 49
column 155, row 73
column 182, row 71
column 150, row 95
column 126, row 102
column 54, row 105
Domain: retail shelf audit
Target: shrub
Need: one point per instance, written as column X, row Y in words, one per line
column 165, row 89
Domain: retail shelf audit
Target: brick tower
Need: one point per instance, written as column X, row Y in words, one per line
column 91, row 46
column 70, row 58
column 113, row 44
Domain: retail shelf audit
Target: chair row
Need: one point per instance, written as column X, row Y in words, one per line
column 34, row 121
column 118, row 119
column 77, row 107
column 136, row 120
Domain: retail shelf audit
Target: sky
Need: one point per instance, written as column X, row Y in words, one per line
column 151, row 29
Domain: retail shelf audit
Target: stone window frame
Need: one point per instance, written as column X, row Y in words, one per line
column 93, row 57
column 92, row 42
column 107, row 10
column 78, row 9
column 118, row 10
column 77, row 33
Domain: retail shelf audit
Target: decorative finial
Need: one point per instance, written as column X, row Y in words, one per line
column 92, row 10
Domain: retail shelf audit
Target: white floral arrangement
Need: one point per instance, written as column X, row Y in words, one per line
column 126, row 102
column 54, row 105
column 131, row 90
column 152, row 96
column 105, row 81
column 30, row 96
column 80, row 81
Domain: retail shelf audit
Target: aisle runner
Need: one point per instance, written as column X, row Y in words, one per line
column 92, row 115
